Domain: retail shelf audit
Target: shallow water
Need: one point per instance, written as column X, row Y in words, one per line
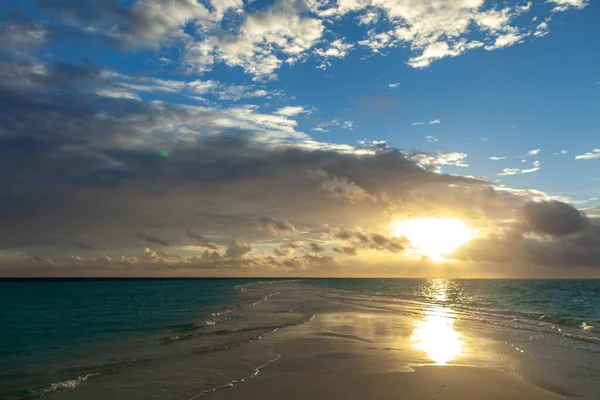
column 181, row 338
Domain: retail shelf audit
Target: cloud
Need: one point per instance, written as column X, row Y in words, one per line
column 316, row 247
column 152, row 239
column 516, row 171
column 505, row 40
column 83, row 246
column 340, row 188
column 394, row 85
column 261, row 40
column 588, row 156
column 351, row 242
column 290, row 111
column 534, row 152
column 276, row 226
column 564, row 5
column 285, row 250
column 431, row 139
column 201, row 240
column 541, row 30
column 432, row 122
column 562, row 152
column 551, row 234
column 23, row 35
column 552, row 218
column 337, row 49
column 434, row 161
column 237, row 250
column 497, row 158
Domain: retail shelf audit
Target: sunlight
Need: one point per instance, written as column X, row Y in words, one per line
column 436, row 336
column 433, row 237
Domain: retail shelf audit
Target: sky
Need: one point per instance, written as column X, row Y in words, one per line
column 289, row 137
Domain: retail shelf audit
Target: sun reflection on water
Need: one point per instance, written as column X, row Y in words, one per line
column 435, row 333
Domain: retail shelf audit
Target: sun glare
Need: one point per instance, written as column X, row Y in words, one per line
column 433, row 237
column 436, row 336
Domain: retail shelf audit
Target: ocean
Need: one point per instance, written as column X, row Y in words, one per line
column 180, row 338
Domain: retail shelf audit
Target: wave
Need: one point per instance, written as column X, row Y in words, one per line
column 245, row 305
column 64, row 385
column 236, row 381
column 192, row 326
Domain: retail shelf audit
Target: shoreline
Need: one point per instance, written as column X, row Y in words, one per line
column 319, row 365
column 303, row 339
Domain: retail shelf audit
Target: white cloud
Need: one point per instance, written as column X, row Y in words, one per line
column 563, row 5
column 117, row 94
column 290, row 111
column 368, row 18
column 509, row 171
column 526, row 171
column 541, row 30
column 432, row 122
column 431, row 139
column 260, row 40
column 505, row 40
column 536, row 163
column 394, row 85
column 534, row 152
column 588, row 156
column 263, row 41
column 563, row 152
column 347, row 125
column 319, row 129
column 516, row 171
column 337, row 49
column 435, row 161
column 497, row 158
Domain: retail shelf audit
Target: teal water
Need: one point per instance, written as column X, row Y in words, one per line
column 56, row 335
column 57, row 330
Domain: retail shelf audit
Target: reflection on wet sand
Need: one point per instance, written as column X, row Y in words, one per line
column 436, row 336
column 435, row 333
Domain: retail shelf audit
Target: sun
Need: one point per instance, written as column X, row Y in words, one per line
column 433, row 237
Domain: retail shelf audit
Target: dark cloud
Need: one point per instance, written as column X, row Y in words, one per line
column 77, row 162
column 152, row 239
column 316, row 247
column 83, row 246
column 552, row 218
column 276, row 226
column 375, row 241
column 237, row 250
column 284, row 250
column 345, row 250
column 201, row 240
column 573, row 239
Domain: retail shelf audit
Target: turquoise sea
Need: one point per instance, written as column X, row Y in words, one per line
column 57, row 335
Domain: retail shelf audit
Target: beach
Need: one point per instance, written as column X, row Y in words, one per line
column 307, row 339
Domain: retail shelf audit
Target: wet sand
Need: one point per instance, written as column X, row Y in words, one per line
column 318, row 364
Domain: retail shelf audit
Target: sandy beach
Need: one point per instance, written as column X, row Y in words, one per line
column 299, row 341
column 317, row 364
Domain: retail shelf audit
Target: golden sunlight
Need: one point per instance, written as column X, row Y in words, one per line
column 433, row 237
column 436, row 336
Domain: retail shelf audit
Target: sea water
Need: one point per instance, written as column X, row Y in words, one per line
column 180, row 338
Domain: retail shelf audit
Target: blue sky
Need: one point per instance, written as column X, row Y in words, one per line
column 540, row 92
column 504, row 94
